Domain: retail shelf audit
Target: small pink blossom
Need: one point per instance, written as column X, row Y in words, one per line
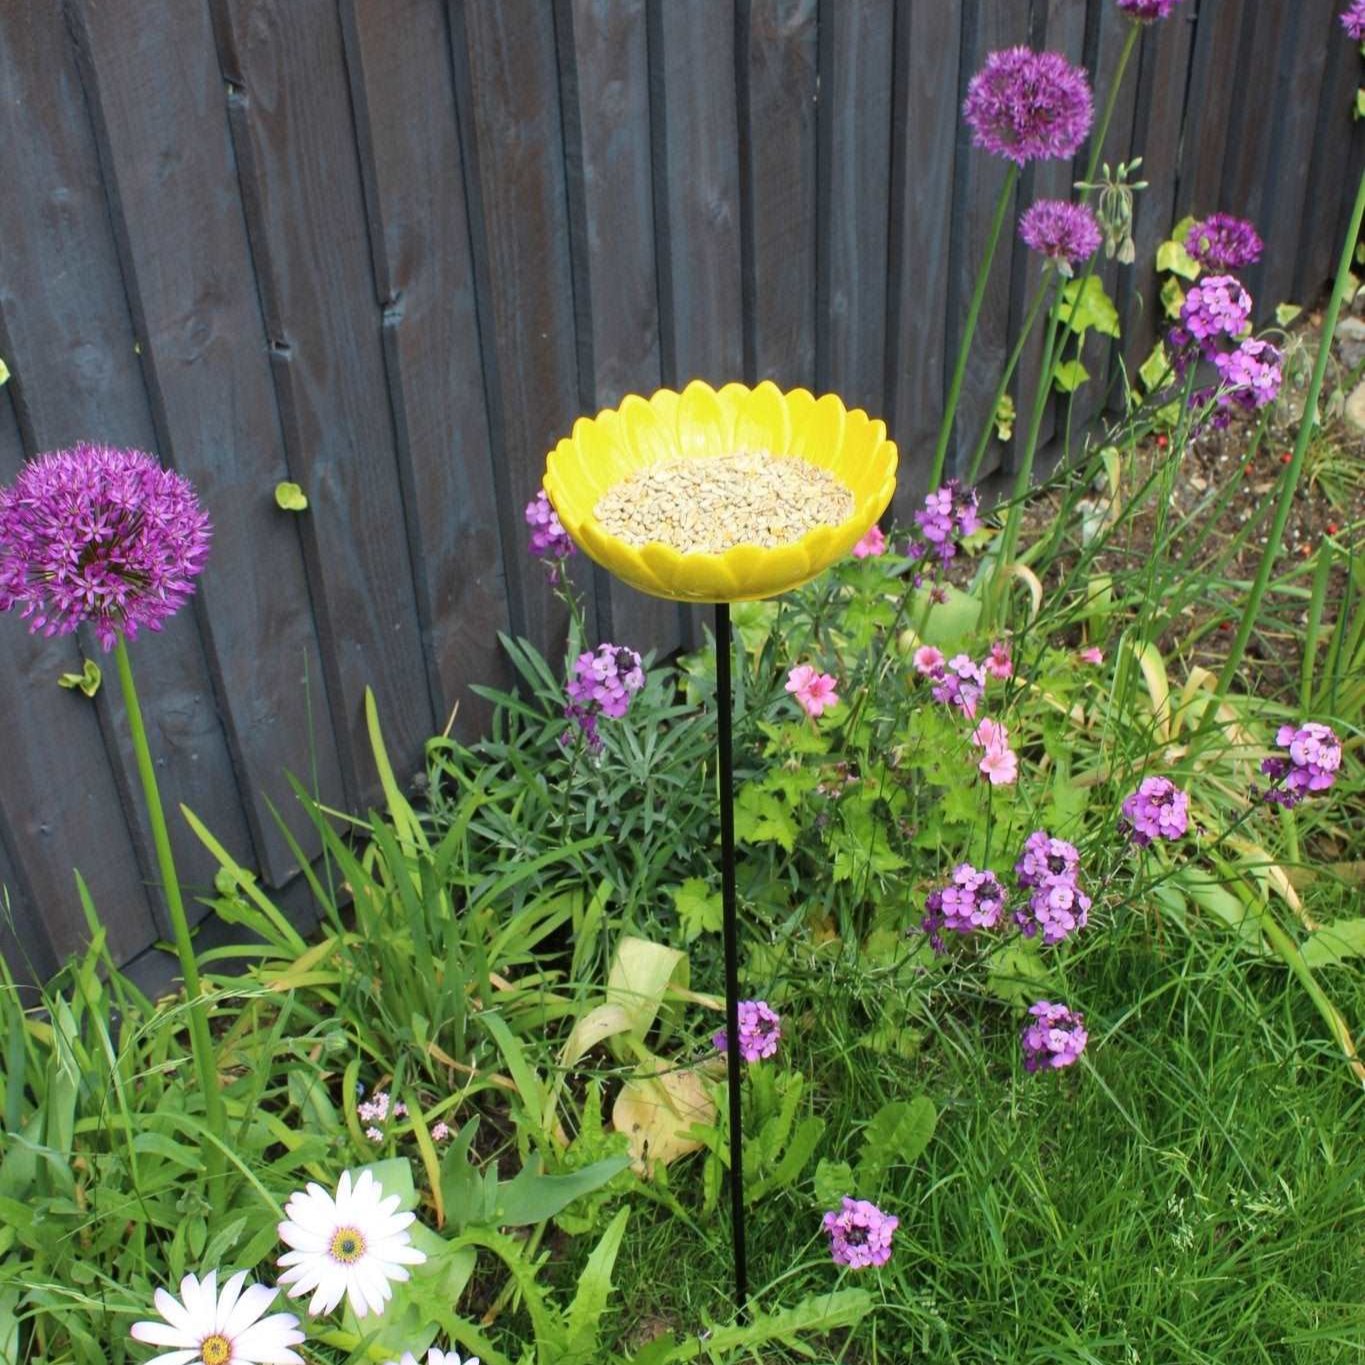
column 873, row 543
column 991, row 734
column 998, row 662
column 1001, row 766
column 1090, row 655
column 813, row 691
column 440, row 1130
column 928, row 660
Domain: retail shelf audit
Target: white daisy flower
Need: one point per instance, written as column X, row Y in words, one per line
column 349, row 1246
column 435, row 1357
column 221, row 1329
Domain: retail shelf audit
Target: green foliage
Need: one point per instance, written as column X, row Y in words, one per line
column 86, row 681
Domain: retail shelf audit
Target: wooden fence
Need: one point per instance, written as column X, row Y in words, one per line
column 389, row 249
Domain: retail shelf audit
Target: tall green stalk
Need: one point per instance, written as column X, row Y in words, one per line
column 201, row 1041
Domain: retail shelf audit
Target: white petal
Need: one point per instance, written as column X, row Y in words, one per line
column 328, row 1295
column 173, row 1311
column 246, row 1310
column 268, row 1342
column 162, row 1334
column 227, row 1300
column 175, row 1358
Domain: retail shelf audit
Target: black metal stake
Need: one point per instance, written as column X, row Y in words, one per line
column 725, row 745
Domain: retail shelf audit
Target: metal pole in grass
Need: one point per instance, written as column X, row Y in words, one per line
column 730, row 919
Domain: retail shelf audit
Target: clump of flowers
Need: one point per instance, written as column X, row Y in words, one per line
column 1157, row 810
column 948, row 512
column 102, row 536
column 221, row 1328
column 1222, row 242
column 1353, row 20
column 1049, row 869
column 960, row 683
column 872, row 544
column 376, row 1110
column 1147, row 11
column 1053, row 1038
column 1252, row 373
column 972, row 900
column 814, row 691
column 998, row 662
column 999, row 762
column 1216, row 306
column 760, row 1031
column 1064, row 232
column 1313, row 755
column 603, row 684
column 549, row 540
column 1029, row 106
column 860, row 1234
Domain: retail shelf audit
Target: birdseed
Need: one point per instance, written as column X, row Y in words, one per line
column 710, row 505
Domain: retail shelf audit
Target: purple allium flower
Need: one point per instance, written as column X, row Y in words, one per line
column 603, row 684
column 1222, row 242
column 1353, row 20
column 1252, row 373
column 973, row 900
column 1216, row 306
column 760, row 1031
column 860, row 1234
column 549, row 540
column 1314, row 755
column 1054, row 1037
column 1068, row 233
column 1145, row 11
column 1027, row 105
column 100, row 535
column 1157, row 810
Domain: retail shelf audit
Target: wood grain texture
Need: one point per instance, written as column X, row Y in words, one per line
column 159, row 109
column 398, row 61
column 69, row 339
column 296, row 149
column 1214, row 81
column 779, row 66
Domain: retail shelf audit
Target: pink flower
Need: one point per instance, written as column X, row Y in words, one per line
column 873, row 543
column 991, row 735
column 1001, row 766
column 998, row 662
column 1090, row 655
column 928, row 660
column 814, row 691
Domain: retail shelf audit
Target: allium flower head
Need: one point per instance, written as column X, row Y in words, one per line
column 1066, row 233
column 549, row 540
column 972, row 900
column 872, row 544
column 100, row 535
column 1053, row 1038
column 1222, row 242
column 221, row 1328
column 814, row 692
column 1029, row 106
column 1145, row 11
column 1157, row 810
column 760, row 1031
column 1215, row 306
column 1313, row 757
column 860, row 1234
column 351, row 1245
column 1353, row 20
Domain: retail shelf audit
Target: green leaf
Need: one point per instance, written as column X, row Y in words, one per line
column 1285, row 313
column 1357, row 113
column 290, row 497
column 1172, row 297
column 87, row 680
column 822, row 1312
column 1173, row 258
column 896, row 1135
column 1334, row 943
column 699, row 908
column 1015, row 972
column 594, row 1290
column 1156, row 369
column 533, row 1197
column 761, row 818
column 1093, row 308
column 4, row 372
column 1004, row 417
column 833, row 1180
column 1069, row 375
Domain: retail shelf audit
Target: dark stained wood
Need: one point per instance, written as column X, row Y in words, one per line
column 158, row 104
column 778, row 152
column 296, row 148
column 925, row 99
column 856, row 54
column 25, row 946
column 398, row 59
column 68, row 337
column 1214, row 80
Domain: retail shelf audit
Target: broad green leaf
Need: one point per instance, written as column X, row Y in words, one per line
column 290, row 497
column 699, row 908
column 1334, row 943
column 1015, row 972
column 1069, row 375
column 533, row 1197
column 1093, row 307
column 87, row 680
column 1156, row 369
column 1172, row 297
column 594, row 1291
column 760, row 817
column 822, row 1312
column 1285, row 313
column 833, row 1180
column 1173, row 258
column 896, row 1136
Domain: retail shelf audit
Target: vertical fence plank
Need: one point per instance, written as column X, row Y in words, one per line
column 924, row 105
column 398, row 60
column 295, row 143
column 68, row 337
column 159, row 109
column 856, row 58
column 779, row 59
column 604, row 82
column 1215, row 77
column 25, row 945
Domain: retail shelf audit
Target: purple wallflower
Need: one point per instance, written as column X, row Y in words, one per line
column 1157, row 810
column 1067, row 233
column 1222, row 242
column 1252, row 373
column 972, row 900
column 602, row 685
column 1053, row 1038
column 1353, row 20
column 1145, row 11
column 549, row 540
column 760, row 1031
column 860, row 1234
column 1314, row 755
column 1050, row 870
column 1028, row 106
column 100, row 535
column 1045, row 857
column 1216, row 306
column 948, row 512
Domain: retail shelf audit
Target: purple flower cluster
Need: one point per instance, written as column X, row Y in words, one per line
column 948, row 512
column 1252, row 373
column 1222, row 242
column 860, row 1234
column 1216, row 306
column 1066, row 233
column 1054, row 1037
column 1145, row 11
column 1157, row 810
column 760, row 1031
column 99, row 535
column 1027, row 106
column 973, row 900
column 1353, row 20
column 1049, row 869
column 549, row 540
column 959, row 682
column 603, row 685
column 1314, row 755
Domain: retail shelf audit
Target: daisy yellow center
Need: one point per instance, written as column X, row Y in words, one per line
column 348, row 1246
column 215, row 1350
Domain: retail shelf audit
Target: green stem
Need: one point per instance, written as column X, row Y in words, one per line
column 983, row 273
column 201, row 1041
column 1111, row 102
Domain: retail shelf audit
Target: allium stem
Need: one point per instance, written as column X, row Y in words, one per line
column 964, row 348
column 201, row 1041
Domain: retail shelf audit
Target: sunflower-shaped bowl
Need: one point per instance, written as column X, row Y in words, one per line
column 701, row 422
